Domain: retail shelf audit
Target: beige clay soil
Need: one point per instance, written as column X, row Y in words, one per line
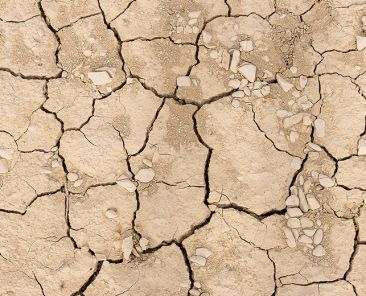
column 182, row 147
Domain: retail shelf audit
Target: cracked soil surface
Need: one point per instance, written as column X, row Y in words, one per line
column 191, row 147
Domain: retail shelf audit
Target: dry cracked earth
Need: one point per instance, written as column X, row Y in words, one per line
column 191, row 147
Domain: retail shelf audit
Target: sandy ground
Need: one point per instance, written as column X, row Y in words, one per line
column 182, row 147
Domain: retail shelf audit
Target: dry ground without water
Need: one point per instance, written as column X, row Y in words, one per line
column 182, row 147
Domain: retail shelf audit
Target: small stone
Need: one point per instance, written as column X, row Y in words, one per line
column 203, row 252
column 78, row 183
column 6, row 153
column 290, row 239
column 306, row 222
column 305, row 239
column 318, row 236
column 111, row 213
column 194, row 14
column 235, row 60
column 197, row 285
column 249, row 71
column 238, row 94
column 206, row 37
column 243, row 83
column 184, row 81
column 296, row 163
column 293, row 70
column 293, row 223
column 314, row 147
column 143, row 243
column 292, row 201
column 4, row 167
column 284, row 84
column 72, row 177
column 127, row 247
column 201, row 261
column 127, row 184
column 319, row 128
column 100, row 77
column 303, row 80
column 294, row 212
column 303, row 202
column 319, row 251
column 294, row 136
column 309, row 232
column 283, row 113
column 246, row 45
column 235, row 83
column 87, row 52
column 145, row 175
column 312, row 202
column 292, row 120
column 362, row 147
column 235, row 103
column 360, row 42
column 266, row 90
column 194, row 292
column 325, row 181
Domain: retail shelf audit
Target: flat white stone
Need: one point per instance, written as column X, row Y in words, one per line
column 78, row 183
column 111, row 213
column 184, row 81
column 234, row 83
column 238, row 94
column 127, row 247
column 292, row 120
column 296, row 163
column 319, row 127
column 203, row 252
column 145, row 175
column 315, row 147
column 295, row 232
column 305, row 239
column 303, row 202
column 4, row 167
column 290, row 239
column 235, row 103
column 72, row 177
column 206, row 37
column 294, row 136
column 303, row 80
column 309, row 232
column 201, row 261
column 360, row 42
column 319, row 251
column 249, row 71
column 100, row 77
column 325, row 181
column 318, row 236
column 293, row 223
column 6, row 153
column 312, row 202
column 284, row 84
column 246, row 45
column 306, row 222
column 292, row 201
column 362, row 147
column 294, row 212
column 127, row 184
column 144, row 242
column 235, row 60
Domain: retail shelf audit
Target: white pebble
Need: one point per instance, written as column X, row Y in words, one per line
column 198, row 260
column 292, row 201
column 292, row 120
column 127, row 184
column 296, row 163
column 238, row 94
column 318, row 236
column 294, row 212
column 305, row 239
column 303, row 202
column 284, row 84
column 306, row 222
column 319, row 127
column 312, row 202
column 184, row 81
column 319, row 251
column 78, row 183
column 235, row 103
column 249, row 71
column 6, row 153
column 235, row 60
column 314, row 147
column 361, row 42
column 234, row 83
column 72, row 177
column 100, row 77
column 309, row 232
column 4, row 167
column 143, row 243
column 362, row 147
column 127, row 247
column 145, row 175
column 203, row 252
column 290, row 239
column 303, row 80
column 246, row 45
column 293, row 223
column 325, row 181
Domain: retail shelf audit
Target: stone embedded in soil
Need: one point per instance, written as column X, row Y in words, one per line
column 248, row 71
column 145, row 175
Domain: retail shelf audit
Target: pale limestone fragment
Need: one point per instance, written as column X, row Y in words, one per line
column 318, row 236
column 360, row 42
column 294, row 212
column 145, row 175
column 205, row 253
column 72, row 177
column 248, row 71
column 313, row 202
column 201, row 261
column 246, row 45
column 326, row 181
column 292, row 201
column 290, row 238
column 127, row 184
column 100, row 77
column 184, row 81
column 166, row 264
column 319, row 127
column 293, row 223
column 306, row 222
column 362, row 147
column 305, row 239
column 284, row 83
column 127, row 247
column 319, row 251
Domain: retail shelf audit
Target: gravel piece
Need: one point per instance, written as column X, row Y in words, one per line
column 249, row 71
column 319, row 251
column 72, row 177
column 284, row 84
column 319, row 128
column 292, row 201
column 145, row 175
column 325, row 181
column 294, row 212
column 201, row 261
column 293, row 223
column 318, row 236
